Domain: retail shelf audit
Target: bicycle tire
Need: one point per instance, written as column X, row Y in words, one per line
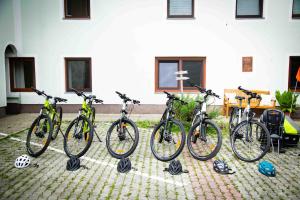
column 235, row 136
column 89, row 141
column 179, row 149
column 216, row 149
column 57, row 127
column 109, row 134
column 29, row 134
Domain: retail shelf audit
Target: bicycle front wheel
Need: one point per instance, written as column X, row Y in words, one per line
column 250, row 141
column 78, row 137
column 167, row 140
column 204, row 140
column 122, row 138
column 39, row 135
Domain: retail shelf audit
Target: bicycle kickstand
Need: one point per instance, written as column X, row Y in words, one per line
column 97, row 135
column 62, row 133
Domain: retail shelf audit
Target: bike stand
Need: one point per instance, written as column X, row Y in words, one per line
column 97, row 134
column 175, row 168
column 124, row 165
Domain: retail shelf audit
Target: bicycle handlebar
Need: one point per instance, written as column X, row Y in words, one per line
column 249, row 93
column 126, row 99
column 203, row 90
column 41, row 93
column 172, row 96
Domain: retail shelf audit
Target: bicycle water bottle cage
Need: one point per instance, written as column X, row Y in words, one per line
column 124, row 165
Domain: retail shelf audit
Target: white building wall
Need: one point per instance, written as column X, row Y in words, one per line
column 123, row 38
column 7, row 36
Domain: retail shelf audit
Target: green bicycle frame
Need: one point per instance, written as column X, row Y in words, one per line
column 86, row 111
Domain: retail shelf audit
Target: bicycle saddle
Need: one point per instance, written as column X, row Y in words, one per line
column 239, row 98
column 58, row 99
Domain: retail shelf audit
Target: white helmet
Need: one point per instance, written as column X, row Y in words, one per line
column 22, row 161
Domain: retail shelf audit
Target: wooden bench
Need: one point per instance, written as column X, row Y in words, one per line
column 267, row 101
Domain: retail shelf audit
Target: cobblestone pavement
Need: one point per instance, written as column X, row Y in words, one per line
column 148, row 181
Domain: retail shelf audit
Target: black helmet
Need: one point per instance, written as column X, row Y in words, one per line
column 175, row 167
column 124, row 165
column 73, row 164
column 221, row 167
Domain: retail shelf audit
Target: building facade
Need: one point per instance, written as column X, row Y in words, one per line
column 136, row 46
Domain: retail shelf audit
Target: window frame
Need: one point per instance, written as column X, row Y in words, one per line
column 180, row 16
column 294, row 16
column 89, row 59
column 260, row 15
column 12, row 61
column 77, row 17
column 180, row 67
column 289, row 75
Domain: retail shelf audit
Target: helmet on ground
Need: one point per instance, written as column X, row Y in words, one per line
column 267, row 168
column 175, row 167
column 73, row 164
column 124, row 165
column 221, row 167
column 22, row 161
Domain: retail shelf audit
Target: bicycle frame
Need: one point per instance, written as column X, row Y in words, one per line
column 85, row 110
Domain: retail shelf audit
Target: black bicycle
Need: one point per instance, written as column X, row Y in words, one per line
column 168, row 137
column 250, row 139
column 205, row 137
column 123, row 135
column 46, row 126
column 80, row 132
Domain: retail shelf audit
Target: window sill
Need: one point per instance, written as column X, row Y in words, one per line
column 250, row 18
column 76, row 18
column 159, row 91
column 181, row 18
column 21, row 90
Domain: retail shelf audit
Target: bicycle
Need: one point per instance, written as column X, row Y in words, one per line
column 250, row 139
column 46, row 126
column 80, row 132
column 169, row 134
column 123, row 135
column 204, row 130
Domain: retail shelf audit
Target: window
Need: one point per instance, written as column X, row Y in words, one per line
column 296, row 9
column 78, row 74
column 249, row 9
column 293, row 69
column 180, row 8
column 165, row 77
column 22, row 74
column 247, row 64
column 77, row 9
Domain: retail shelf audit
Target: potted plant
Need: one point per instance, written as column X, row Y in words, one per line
column 287, row 101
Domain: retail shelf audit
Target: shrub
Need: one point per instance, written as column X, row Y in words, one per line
column 185, row 114
column 287, row 101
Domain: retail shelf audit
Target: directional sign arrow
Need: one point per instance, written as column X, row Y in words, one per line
column 182, row 78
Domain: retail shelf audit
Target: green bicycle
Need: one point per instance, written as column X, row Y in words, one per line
column 79, row 134
column 46, row 126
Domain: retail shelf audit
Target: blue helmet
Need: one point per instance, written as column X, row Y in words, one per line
column 267, row 168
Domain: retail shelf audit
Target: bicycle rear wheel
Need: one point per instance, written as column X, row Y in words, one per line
column 250, row 141
column 167, row 140
column 204, row 140
column 39, row 135
column 78, row 137
column 122, row 138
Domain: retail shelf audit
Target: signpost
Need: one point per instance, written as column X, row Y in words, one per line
column 181, row 78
